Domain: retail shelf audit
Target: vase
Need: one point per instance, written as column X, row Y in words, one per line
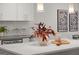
column 58, row 40
column 42, row 43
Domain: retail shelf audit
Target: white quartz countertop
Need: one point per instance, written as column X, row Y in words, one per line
column 30, row 48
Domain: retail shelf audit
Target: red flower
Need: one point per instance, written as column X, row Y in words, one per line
column 42, row 31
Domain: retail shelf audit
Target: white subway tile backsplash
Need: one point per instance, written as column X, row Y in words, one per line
column 17, row 28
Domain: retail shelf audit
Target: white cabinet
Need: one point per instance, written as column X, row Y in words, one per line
column 9, row 11
column 25, row 11
column 17, row 12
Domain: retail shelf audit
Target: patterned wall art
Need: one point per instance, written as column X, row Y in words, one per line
column 62, row 20
column 73, row 21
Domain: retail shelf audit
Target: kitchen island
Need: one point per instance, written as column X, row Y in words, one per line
column 33, row 48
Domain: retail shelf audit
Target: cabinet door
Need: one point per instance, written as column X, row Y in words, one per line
column 9, row 11
column 19, row 15
column 1, row 8
column 17, row 12
column 25, row 11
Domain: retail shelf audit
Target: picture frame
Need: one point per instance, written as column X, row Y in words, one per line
column 62, row 20
column 73, row 21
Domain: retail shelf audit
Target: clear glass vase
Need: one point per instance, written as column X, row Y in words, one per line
column 42, row 43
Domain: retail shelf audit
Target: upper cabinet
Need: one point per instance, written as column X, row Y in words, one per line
column 8, row 11
column 16, row 11
column 25, row 11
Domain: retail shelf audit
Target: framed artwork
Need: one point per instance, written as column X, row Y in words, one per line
column 73, row 21
column 62, row 20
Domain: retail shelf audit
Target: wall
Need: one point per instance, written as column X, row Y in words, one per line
column 49, row 16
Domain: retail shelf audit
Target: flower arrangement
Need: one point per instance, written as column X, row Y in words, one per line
column 42, row 31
